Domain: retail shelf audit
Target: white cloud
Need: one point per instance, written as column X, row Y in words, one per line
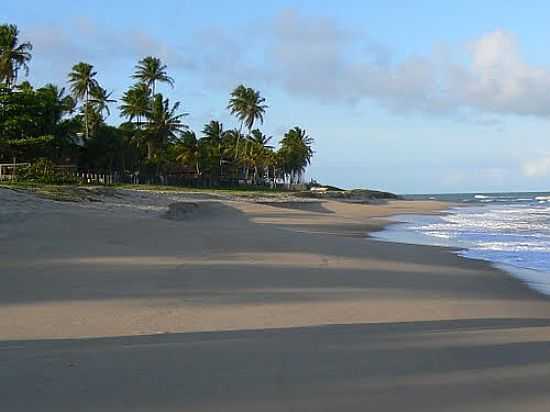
column 499, row 80
column 321, row 59
column 537, row 167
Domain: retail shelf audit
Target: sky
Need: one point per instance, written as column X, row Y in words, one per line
column 417, row 96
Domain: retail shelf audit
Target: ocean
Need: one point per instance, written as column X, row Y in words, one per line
column 510, row 230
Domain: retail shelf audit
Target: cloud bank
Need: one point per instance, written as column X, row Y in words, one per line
column 320, row 59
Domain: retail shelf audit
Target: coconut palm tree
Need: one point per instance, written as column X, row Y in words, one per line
column 230, row 138
column 14, row 56
column 257, row 137
column 215, row 137
column 272, row 165
column 213, row 132
column 25, row 87
column 189, row 151
column 136, row 103
column 163, row 125
column 100, row 100
column 151, row 70
column 82, row 81
column 56, row 105
column 296, row 153
column 237, row 103
column 256, row 152
column 64, row 102
column 248, row 106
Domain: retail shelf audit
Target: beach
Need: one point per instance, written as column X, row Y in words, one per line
column 172, row 301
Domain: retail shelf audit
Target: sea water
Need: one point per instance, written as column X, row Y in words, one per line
column 510, row 230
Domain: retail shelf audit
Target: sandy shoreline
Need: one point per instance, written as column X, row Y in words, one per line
column 254, row 306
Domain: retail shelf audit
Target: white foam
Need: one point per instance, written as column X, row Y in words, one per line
column 514, row 235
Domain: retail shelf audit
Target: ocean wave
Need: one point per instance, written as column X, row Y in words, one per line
column 514, row 234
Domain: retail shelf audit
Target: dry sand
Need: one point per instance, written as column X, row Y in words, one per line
column 214, row 304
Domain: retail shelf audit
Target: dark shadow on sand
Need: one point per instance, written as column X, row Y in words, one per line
column 414, row 366
column 222, row 231
column 308, row 206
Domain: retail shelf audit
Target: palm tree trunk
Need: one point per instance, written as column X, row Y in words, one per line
column 237, row 143
column 86, row 116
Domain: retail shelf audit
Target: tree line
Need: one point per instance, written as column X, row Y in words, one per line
column 61, row 126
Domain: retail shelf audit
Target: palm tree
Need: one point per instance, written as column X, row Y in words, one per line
column 100, row 100
column 82, row 82
column 248, row 106
column 25, row 87
column 151, row 70
column 213, row 132
column 296, row 153
column 59, row 104
column 230, row 138
column 189, row 151
column 259, row 152
column 215, row 136
column 272, row 163
column 257, row 137
column 163, row 124
column 14, row 56
column 136, row 103
column 65, row 102
column 237, row 103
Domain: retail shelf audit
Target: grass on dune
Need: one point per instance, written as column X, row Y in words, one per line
column 76, row 193
column 238, row 191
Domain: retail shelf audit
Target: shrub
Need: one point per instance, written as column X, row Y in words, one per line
column 44, row 171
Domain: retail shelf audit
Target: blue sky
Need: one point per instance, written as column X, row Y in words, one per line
column 408, row 96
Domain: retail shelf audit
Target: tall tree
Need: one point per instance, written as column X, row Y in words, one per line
column 214, row 136
column 164, row 124
column 14, row 55
column 56, row 105
column 136, row 103
column 189, row 151
column 257, row 137
column 248, row 106
column 82, row 81
column 296, row 153
column 100, row 99
column 258, row 152
column 151, row 70
column 255, row 154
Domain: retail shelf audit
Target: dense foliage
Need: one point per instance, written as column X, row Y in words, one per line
column 49, row 127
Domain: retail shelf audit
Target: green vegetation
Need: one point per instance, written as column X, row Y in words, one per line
column 48, row 127
column 78, row 193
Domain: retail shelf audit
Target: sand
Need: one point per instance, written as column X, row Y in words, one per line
column 184, row 302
